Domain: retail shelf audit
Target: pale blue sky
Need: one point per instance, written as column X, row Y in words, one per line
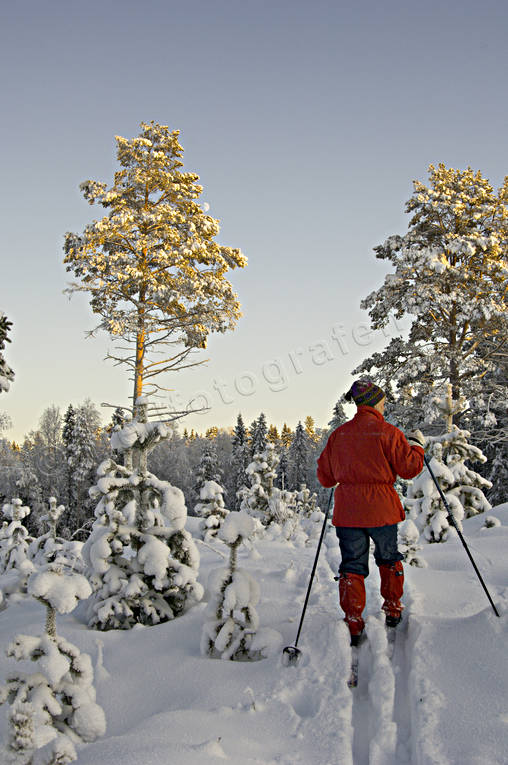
column 307, row 123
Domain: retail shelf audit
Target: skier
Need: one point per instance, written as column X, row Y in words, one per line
column 362, row 458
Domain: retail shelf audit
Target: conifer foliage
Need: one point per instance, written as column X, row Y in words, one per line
column 15, row 563
column 208, row 468
column 211, row 508
column 154, row 271
column 261, row 473
column 450, row 278
column 231, row 631
column 298, row 458
column 54, row 707
column 6, row 373
column 258, row 435
column 142, row 563
column 462, row 486
column 338, row 415
column 240, row 459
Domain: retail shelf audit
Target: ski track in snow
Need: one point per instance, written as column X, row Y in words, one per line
column 380, row 717
column 370, row 724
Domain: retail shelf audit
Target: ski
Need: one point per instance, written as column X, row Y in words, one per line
column 391, row 634
column 353, row 675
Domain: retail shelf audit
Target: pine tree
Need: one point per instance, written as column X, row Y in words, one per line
column 298, row 458
column 310, row 430
column 154, row 271
column 450, row 277
column 240, row 459
column 142, row 562
column 286, row 436
column 258, row 435
column 273, row 436
column 6, row 373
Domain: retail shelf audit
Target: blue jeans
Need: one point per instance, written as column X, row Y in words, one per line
column 354, row 547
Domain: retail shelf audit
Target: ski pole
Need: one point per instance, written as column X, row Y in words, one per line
column 291, row 652
column 452, row 520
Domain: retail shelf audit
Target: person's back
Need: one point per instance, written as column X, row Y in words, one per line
column 362, row 459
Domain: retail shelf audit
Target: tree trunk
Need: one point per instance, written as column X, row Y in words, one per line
column 140, row 349
column 50, row 619
column 449, row 408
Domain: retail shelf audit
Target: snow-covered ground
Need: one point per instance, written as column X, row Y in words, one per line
column 440, row 700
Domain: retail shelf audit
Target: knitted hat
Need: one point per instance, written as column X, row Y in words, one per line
column 365, row 393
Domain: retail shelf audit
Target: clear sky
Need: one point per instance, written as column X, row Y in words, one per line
column 306, row 121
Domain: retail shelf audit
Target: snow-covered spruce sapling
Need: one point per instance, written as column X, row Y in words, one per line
column 51, row 547
column 269, row 505
column 310, row 516
column 15, row 563
column 261, row 473
column 54, row 708
column 231, row 631
column 408, row 544
column 142, row 563
column 211, row 509
column 461, row 485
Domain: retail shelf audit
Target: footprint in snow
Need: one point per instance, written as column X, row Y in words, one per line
column 305, row 703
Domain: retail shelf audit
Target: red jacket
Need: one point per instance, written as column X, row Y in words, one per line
column 364, row 456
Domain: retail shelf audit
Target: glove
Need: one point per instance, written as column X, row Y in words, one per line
column 416, row 438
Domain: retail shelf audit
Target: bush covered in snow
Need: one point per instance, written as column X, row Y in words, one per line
column 231, row 631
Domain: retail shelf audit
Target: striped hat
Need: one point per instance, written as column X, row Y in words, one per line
column 365, row 393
